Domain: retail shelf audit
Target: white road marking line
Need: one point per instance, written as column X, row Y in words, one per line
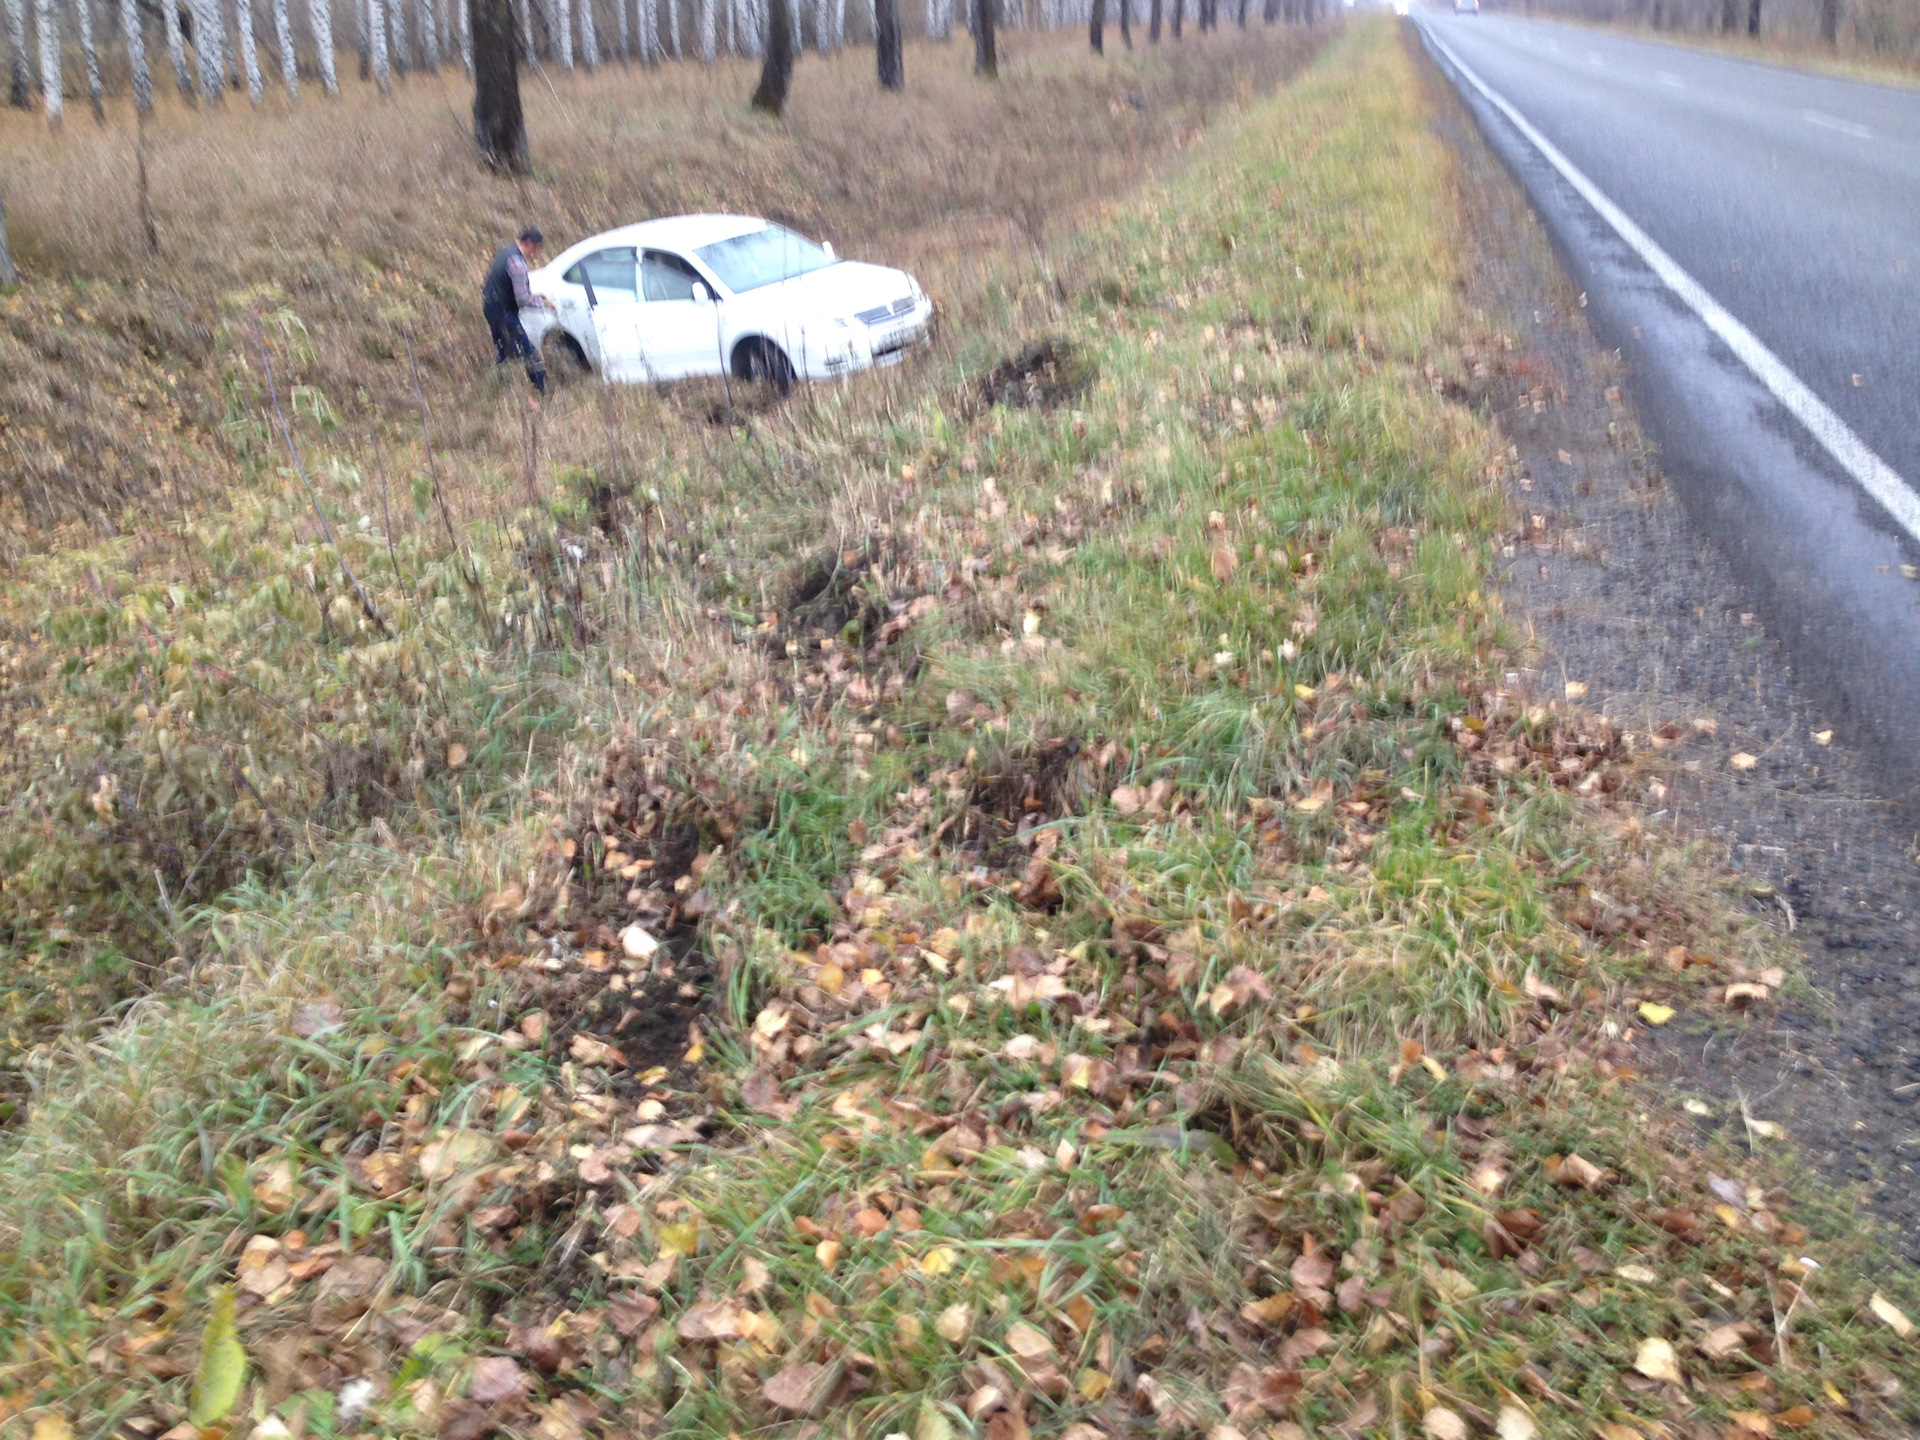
column 1849, row 451
column 1667, row 77
column 1828, row 122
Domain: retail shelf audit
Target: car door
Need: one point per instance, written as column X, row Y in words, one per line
column 609, row 282
column 679, row 333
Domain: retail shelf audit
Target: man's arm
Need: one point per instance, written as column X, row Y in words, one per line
column 523, row 297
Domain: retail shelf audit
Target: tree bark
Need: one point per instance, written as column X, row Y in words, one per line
column 466, row 36
column 399, row 43
column 137, row 70
column 888, row 61
column 83, row 13
column 776, row 70
column 362, row 28
column 377, row 44
column 1728, row 16
column 589, row 37
column 704, row 22
column 19, row 77
column 9, row 276
column 985, row 60
column 499, row 126
column 1126, row 23
column 1097, row 27
column 283, row 37
column 1179, row 16
column 673, row 27
column 249, row 56
column 1830, row 22
column 1753, row 19
column 1243, row 14
column 47, row 20
column 429, row 36
column 1153, row 22
column 623, row 37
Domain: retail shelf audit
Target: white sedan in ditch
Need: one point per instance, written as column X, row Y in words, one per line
column 723, row 294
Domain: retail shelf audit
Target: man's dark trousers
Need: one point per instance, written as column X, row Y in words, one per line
column 510, row 343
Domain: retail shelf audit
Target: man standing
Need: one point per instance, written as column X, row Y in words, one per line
column 504, row 296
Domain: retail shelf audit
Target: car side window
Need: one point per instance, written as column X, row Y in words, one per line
column 611, row 273
column 666, row 277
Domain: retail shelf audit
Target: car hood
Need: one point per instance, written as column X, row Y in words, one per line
column 841, row 288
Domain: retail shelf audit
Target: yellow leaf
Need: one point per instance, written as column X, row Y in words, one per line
column 1655, row 1014
column 932, row 1425
column 1576, row 689
column 53, row 1427
column 1094, row 1384
column 1892, row 1314
column 939, row 1260
column 1443, row 1424
column 223, row 1365
column 1656, row 1360
column 1029, row 1342
column 1823, row 737
column 681, row 1239
column 1743, row 761
column 696, row 1052
column 827, row 1252
column 1515, row 1424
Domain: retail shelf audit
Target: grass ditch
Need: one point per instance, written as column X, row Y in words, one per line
column 1159, row 981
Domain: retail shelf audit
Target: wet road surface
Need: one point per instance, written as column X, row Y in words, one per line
column 1748, row 238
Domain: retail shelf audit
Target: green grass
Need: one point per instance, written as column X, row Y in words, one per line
column 1314, row 986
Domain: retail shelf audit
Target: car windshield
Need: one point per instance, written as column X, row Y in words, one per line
column 761, row 257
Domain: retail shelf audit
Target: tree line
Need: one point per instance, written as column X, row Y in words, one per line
column 1888, row 29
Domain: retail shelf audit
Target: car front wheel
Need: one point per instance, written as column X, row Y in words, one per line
column 760, row 361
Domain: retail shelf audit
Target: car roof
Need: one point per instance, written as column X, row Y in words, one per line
column 676, row 232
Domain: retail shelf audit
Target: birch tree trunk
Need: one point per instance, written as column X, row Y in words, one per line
column 249, row 56
column 137, row 57
column 399, row 44
column 589, row 38
column 561, row 23
column 466, row 34
column 499, row 126
column 377, row 44
column 362, row 28
column 429, row 36
column 985, row 61
column 283, row 37
column 624, row 38
column 705, row 22
column 525, row 10
column 176, row 47
column 47, row 21
column 649, row 22
column 320, row 23
column 1097, row 26
column 83, row 13
column 19, row 78
column 673, row 27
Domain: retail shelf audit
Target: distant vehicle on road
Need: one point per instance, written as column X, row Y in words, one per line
column 723, row 294
column 1466, row 7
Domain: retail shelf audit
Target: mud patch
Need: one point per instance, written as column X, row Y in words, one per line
column 1017, row 796
column 1046, row 375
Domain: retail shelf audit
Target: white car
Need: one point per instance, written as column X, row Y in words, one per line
column 723, row 294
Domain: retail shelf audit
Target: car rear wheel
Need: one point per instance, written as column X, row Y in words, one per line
column 760, row 361
column 566, row 361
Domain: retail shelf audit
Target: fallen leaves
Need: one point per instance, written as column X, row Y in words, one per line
column 223, row 1365
column 800, row 1388
column 1655, row 1014
column 496, row 1380
column 1443, row 1424
column 1892, row 1315
column 1656, row 1360
column 1743, row 761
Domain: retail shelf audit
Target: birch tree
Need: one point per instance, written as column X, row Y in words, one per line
column 320, row 24
column 249, row 56
column 705, row 20
column 90, row 57
column 499, row 125
column 839, row 22
column 673, row 26
column 649, row 24
column 985, row 62
column 19, row 78
column 283, row 37
column 466, row 35
column 176, row 47
column 525, row 9
column 1097, row 26
column 589, row 38
column 377, row 44
column 429, row 36
column 47, row 21
column 624, row 39
column 137, row 57
column 399, row 45
column 562, row 25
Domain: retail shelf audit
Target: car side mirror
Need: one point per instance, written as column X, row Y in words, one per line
column 701, row 295
column 827, row 245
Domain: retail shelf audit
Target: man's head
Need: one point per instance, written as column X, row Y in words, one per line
column 530, row 242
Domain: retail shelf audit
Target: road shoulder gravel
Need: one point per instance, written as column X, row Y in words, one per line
column 1621, row 590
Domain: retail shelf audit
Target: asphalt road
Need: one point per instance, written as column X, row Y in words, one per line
column 1767, row 302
